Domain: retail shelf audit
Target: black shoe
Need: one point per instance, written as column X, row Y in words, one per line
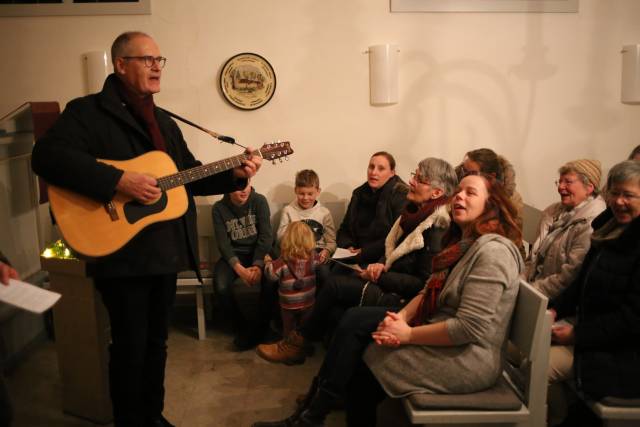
column 159, row 422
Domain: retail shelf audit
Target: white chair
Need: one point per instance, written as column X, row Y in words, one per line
column 512, row 401
column 187, row 281
column 530, row 225
column 615, row 412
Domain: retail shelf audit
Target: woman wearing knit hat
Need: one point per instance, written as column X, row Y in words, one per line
column 565, row 228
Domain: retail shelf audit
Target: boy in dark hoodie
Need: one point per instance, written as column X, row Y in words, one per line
column 242, row 224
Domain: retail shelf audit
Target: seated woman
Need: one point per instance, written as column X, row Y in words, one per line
column 565, row 228
column 601, row 352
column 485, row 160
column 635, row 153
column 373, row 208
column 399, row 276
column 448, row 339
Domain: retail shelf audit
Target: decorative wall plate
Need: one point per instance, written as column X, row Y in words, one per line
column 247, row 81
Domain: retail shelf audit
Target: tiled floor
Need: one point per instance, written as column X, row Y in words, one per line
column 207, row 385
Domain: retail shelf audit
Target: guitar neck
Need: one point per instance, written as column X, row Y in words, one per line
column 199, row 172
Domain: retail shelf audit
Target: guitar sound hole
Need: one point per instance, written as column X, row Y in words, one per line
column 134, row 211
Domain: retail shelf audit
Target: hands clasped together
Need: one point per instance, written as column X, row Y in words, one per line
column 392, row 331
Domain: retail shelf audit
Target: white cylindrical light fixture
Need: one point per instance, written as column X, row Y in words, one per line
column 96, row 68
column 383, row 74
column 630, row 88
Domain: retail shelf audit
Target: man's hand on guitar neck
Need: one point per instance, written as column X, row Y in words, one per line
column 140, row 187
column 249, row 167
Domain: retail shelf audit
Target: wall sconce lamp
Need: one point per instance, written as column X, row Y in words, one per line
column 96, row 66
column 383, row 74
column 630, row 88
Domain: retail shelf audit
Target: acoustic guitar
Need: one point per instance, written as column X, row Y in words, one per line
column 96, row 229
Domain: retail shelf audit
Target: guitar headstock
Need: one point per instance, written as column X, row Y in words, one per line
column 276, row 150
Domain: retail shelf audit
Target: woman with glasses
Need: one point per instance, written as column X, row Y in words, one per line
column 601, row 350
column 395, row 278
column 448, row 339
column 565, row 228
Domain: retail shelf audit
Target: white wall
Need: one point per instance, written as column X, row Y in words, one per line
column 540, row 89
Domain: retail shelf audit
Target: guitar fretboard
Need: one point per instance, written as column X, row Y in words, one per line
column 199, row 172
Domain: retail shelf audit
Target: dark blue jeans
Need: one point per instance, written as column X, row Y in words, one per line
column 351, row 338
column 249, row 308
column 344, row 373
column 139, row 309
column 338, row 294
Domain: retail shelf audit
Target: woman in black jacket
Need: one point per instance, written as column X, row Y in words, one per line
column 373, row 208
column 600, row 346
column 398, row 275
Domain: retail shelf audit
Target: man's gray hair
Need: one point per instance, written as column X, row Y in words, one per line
column 121, row 44
column 626, row 171
column 440, row 174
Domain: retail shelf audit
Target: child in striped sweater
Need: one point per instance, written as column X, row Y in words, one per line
column 295, row 272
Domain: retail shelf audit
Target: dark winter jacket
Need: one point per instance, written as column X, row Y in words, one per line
column 391, row 201
column 100, row 126
column 243, row 230
column 606, row 300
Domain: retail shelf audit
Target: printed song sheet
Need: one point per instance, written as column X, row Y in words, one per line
column 28, row 297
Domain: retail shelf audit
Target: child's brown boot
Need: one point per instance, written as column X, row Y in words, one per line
column 290, row 350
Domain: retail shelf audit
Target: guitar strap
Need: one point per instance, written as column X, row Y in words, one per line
column 216, row 135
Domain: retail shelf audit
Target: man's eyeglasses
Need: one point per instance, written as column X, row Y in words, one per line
column 150, row 60
column 418, row 178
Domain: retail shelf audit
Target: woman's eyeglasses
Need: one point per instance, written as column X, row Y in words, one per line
column 418, row 178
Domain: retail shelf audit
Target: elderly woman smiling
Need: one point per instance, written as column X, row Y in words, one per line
column 602, row 349
column 565, row 228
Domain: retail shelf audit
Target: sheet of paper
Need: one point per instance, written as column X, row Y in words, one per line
column 342, row 253
column 27, row 296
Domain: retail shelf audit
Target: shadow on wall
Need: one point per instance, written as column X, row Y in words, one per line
column 486, row 92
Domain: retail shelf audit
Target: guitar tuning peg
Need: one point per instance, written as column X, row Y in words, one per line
column 286, row 158
column 273, row 162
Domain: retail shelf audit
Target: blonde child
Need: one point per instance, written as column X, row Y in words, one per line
column 296, row 276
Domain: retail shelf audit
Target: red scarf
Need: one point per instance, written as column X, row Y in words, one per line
column 442, row 264
column 143, row 108
column 413, row 215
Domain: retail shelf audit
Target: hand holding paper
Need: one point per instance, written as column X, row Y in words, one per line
column 28, row 297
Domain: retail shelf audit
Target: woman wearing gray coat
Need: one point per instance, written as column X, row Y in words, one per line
column 565, row 228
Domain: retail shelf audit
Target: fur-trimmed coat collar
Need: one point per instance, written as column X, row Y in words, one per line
column 415, row 240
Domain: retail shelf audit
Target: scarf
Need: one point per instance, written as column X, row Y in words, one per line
column 442, row 263
column 413, row 215
column 143, row 109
